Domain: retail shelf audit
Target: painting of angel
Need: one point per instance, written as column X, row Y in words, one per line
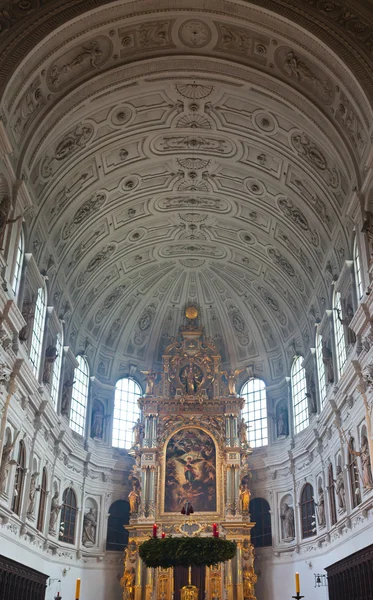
column 190, row 471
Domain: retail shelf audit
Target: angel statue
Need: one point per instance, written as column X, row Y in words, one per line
column 191, row 377
column 231, row 377
column 151, row 378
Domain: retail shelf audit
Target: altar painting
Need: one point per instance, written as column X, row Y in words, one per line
column 190, row 471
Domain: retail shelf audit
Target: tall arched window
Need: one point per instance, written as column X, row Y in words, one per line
column 19, row 479
column 18, row 266
column 321, row 376
column 68, row 517
column 299, row 391
column 353, row 474
column 331, row 488
column 79, row 396
column 307, row 511
column 38, row 331
column 126, row 412
column 43, row 499
column 357, row 267
column 255, row 412
column 55, row 386
column 117, row 535
column 261, row 533
column 340, row 344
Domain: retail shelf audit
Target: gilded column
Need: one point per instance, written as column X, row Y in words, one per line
column 229, row 580
column 149, row 584
column 230, row 500
column 239, row 577
column 237, row 506
column 138, row 585
column 236, row 441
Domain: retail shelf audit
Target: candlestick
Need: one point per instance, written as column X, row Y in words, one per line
column 155, row 527
column 77, row 589
column 297, row 583
column 298, row 596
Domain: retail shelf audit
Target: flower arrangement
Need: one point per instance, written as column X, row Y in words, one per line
column 186, row 551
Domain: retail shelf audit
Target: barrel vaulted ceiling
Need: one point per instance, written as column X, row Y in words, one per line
column 187, row 152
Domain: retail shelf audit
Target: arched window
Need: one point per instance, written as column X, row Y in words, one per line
column 331, row 488
column 307, row 511
column 79, row 396
column 126, row 412
column 255, row 412
column 299, row 391
column 321, row 376
column 117, row 535
column 261, row 533
column 340, row 344
column 43, row 498
column 357, row 266
column 19, row 479
column 353, row 474
column 55, row 386
column 18, row 266
column 68, row 517
column 38, row 331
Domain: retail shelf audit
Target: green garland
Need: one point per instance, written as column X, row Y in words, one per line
column 186, row 551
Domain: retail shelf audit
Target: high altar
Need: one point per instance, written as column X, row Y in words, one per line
column 190, row 447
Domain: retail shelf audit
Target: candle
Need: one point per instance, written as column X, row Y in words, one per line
column 163, row 535
column 214, row 530
column 155, row 527
column 77, row 589
column 297, row 583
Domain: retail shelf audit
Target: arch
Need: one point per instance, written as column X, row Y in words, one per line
column 307, row 511
column 299, row 395
column 255, row 411
column 79, row 396
column 38, row 330
column 357, row 270
column 117, row 534
column 321, row 375
column 69, row 512
column 260, row 513
column 19, row 479
column 42, row 501
column 126, row 412
column 55, row 385
column 339, row 334
column 19, row 263
column 353, row 472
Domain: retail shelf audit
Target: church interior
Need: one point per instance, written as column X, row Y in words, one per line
column 186, row 298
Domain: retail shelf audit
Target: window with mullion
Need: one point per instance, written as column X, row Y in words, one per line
column 19, row 479
column 42, row 501
column 261, row 534
column 299, row 391
column 321, row 376
column 126, row 412
column 339, row 334
column 18, row 266
column 38, row 331
column 358, row 277
column 354, row 474
column 255, row 412
column 333, row 509
column 307, row 507
column 79, row 396
column 68, row 517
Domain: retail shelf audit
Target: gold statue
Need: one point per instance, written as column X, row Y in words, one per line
column 128, row 584
column 249, row 580
column 245, row 497
column 151, row 378
column 134, row 499
column 231, row 377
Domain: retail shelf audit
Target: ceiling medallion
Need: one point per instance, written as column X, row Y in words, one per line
column 194, row 33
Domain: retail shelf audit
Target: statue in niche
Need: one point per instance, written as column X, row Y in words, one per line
column 244, row 498
column 89, row 528
column 366, row 463
column 327, row 359
column 287, row 518
column 351, row 337
column 50, row 358
column 151, row 378
column 340, row 489
column 128, row 584
column 5, row 208
column 191, row 377
column 28, row 315
column 243, row 433
column 97, row 422
column 31, row 495
column 134, row 499
column 138, row 432
column 282, row 422
column 311, row 397
column 6, row 462
column 55, row 511
column 321, row 508
column 368, row 228
column 66, row 397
